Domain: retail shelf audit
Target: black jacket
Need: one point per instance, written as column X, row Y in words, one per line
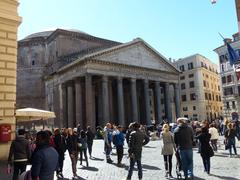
column 72, row 144
column 20, row 149
column 205, row 148
column 60, row 143
column 90, row 137
column 137, row 139
column 183, row 137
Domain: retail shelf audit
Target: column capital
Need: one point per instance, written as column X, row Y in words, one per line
column 157, row 83
column 145, row 81
column 176, row 85
column 119, row 78
column 133, row 80
column 105, row 78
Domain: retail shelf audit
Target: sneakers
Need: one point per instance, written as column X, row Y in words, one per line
column 109, row 161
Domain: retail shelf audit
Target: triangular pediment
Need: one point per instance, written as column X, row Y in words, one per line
column 137, row 54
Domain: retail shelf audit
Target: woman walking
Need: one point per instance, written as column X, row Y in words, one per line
column 206, row 150
column 72, row 147
column 90, row 138
column 230, row 135
column 167, row 149
column 82, row 141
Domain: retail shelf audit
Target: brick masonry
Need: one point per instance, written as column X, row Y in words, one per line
column 9, row 21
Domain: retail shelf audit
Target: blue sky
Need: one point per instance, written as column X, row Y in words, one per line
column 175, row 28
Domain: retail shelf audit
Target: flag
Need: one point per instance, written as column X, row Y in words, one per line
column 233, row 57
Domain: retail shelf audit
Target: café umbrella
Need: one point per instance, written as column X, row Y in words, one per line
column 31, row 114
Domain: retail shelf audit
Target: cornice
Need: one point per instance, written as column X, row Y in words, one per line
column 10, row 15
column 78, row 35
column 32, row 41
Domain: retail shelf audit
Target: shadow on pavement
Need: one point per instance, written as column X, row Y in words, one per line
column 89, row 168
column 78, row 178
column 224, row 177
column 145, row 166
column 221, row 155
column 149, row 147
column 96, row 159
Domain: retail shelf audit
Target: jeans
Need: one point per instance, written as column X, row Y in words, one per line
column 139, row 165
column 74, row 157
column 214, row 144
column 168, row 163
column 108, row 150
column 119, row 153
column 90, row 148
column 60, row 162
column 186, row 156
column 19, row 168
column 83, row 151
column 232, row 144
column 206, row 164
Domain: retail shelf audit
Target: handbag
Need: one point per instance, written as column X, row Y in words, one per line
column 211, row 152
column 226, row 144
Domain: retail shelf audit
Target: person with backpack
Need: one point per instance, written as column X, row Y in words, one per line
column 118, row 141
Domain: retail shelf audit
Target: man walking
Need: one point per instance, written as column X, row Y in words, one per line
column 108, row 141
column 183, row 138
column 20, row 150
column 137, row 139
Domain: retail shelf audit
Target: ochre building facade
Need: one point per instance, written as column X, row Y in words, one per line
column 9, row 22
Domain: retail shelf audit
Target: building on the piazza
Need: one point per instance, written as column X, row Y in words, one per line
column 200, row 91
column 229, row 80
column 9, row 22
column 91, row 81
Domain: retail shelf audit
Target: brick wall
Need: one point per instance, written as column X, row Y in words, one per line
column 9, row 21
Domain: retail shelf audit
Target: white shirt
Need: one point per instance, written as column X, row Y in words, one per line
column 214, row 133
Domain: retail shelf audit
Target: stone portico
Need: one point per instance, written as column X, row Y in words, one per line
column 125, row 83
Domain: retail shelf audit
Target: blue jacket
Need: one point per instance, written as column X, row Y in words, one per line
column 118, row 139
column 44, row 163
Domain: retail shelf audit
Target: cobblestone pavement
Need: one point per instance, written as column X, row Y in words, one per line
column 223, row 167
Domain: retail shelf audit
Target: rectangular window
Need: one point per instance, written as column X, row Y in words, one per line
column 216, row 97
column 228, row 91
column 204, row 83
column 185, row 108
column 182, row 77
column 233, row 105
column 191, row 84
column 194, row 108
column 190, row 66
column 227, row 103
column 182, row 68
column 206, row 96
column 192, row 96
column 184, row 98
column 202, row 65
column 209, row 97
column 191, row 75
column 229, row 78
column 183, row 86
column 223, row 79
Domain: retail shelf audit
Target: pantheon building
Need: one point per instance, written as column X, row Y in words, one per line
column 92, row 81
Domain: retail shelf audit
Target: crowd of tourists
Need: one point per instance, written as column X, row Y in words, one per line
column 46, row 150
